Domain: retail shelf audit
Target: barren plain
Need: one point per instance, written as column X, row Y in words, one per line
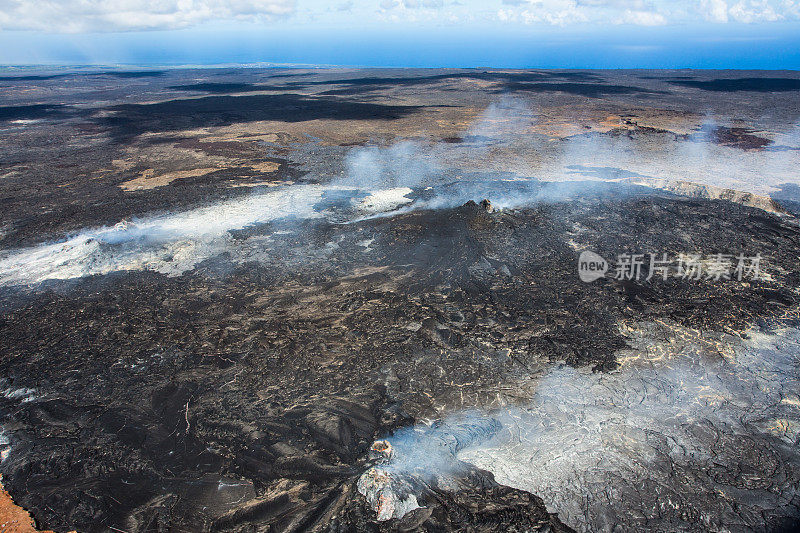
column 225, row 291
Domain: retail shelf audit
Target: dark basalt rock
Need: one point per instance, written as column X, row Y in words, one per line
column 479, row 504
column 264, row 384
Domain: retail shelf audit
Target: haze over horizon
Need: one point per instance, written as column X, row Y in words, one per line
column 724, row 34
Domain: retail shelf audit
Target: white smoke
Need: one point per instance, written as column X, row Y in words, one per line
column 505, row 119
column 421, row 457
column 697, row 158
column 170, row 243
column 499, row 157
column 675, row 440
column 417, row 163
column 405, row 164
column 378, row 180
column 441, row 171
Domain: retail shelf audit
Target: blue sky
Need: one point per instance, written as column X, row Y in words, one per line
column 425, row 33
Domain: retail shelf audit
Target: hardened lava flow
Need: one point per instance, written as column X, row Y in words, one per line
column 346, row 301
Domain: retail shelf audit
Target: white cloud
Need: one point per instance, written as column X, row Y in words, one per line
column 439, row 12
column 715, row 10
column 754, row 11
column 507, row 15
column 345, row 6
column 130, row 15
column 642, row 18
column 126, row 15
column 791, row 8
column 635, row 5
column 750, row 11
column 554, row 12
column 412, row 4
column 647, row 12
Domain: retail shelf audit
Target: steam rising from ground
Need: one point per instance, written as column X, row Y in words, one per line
column 423, row 164
column 175, row 243
column 503, row 140
column 677, row 440
column 687, row 433
column 171, row 243
column 499, row 157
column 694, row 432
column 379, row 180
column 428, row 450
column 696, row 158
column 440, row 175
column 417, row 458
